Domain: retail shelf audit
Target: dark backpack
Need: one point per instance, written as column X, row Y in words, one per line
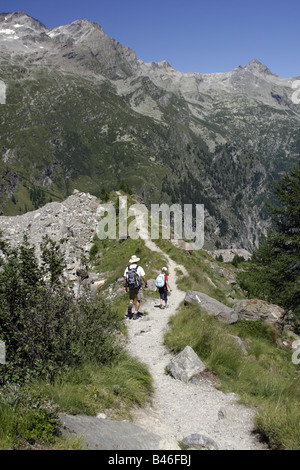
column 133, row 279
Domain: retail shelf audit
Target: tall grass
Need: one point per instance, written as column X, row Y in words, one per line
column 111, row 388
column 264, row 378
column 30, row 414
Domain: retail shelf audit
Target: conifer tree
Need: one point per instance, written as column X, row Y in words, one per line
column 274, row 271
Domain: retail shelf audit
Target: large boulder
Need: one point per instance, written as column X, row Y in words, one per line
column 255, row 309
column 211, row 306
column 185, row 365
column 104, row 434
column 245, row 309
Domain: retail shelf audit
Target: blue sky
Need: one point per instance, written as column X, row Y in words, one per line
column 192, row 35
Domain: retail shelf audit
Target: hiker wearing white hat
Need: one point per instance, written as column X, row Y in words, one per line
column 133, row 276
column 162, row 283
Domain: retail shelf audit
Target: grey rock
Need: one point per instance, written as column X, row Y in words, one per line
column 199, row 442
column 105, row 434
column 71, row 223
column 2, row 352
column 241, row 344
column 151, row 284
column 222, row 414
column 185, row 365
column 146, row 329
column 229, row 254
column 228, row 414
column 255, row 309
column 227, row 317
column 207, row 303
column 245, row 309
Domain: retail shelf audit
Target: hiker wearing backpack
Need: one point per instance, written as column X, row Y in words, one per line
column 162, row 283
column 133, row 276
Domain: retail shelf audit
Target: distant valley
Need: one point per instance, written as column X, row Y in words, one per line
column 81, row 111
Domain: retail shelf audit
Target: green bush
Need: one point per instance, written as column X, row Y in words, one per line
column 44, row 327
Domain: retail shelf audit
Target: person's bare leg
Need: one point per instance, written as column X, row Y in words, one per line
column 137, row 306
column 129, row 309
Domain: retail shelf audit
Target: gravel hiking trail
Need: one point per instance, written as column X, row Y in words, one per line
column 179, row 409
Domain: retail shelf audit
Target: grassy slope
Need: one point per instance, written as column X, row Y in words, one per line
column 264, row 378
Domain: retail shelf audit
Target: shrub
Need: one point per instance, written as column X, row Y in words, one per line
column 44, row 327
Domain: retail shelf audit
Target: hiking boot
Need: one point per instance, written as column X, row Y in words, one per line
column 162, row 307
column 129, row 311
column 135, row 316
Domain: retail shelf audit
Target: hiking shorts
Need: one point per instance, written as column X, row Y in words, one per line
column 136, row 294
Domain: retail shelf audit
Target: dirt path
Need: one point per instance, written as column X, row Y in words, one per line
column 180, row 409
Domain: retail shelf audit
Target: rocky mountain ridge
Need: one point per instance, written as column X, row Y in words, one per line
column 71, row 224
column 82, row 111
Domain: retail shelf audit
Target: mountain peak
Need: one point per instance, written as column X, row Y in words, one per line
column 21, row 19
column 255, row 66
column 77, row 30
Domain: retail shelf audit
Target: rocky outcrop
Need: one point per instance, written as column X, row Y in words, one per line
column 255, row 309
column 245, row 309
column 228, row 255
column 71, row 223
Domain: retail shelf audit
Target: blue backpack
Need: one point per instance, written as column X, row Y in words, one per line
column 160, row 280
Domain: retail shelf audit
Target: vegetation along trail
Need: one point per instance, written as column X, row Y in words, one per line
column 181, row 409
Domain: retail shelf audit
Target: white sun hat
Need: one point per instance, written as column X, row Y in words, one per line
column 134, row 259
